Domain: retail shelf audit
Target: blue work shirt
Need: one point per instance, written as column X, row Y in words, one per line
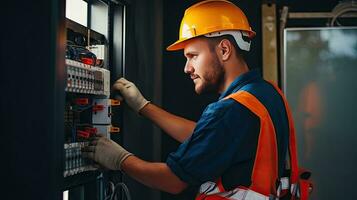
column 225, row 138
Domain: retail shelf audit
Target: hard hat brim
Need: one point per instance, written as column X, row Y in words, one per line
column 178, row 45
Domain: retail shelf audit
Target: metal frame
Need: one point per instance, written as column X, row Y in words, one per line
column 84, row 30
column 269, row 39
column 303, row 29
column 314, row 15
column 285, row 15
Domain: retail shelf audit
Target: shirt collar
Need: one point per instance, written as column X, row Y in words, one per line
column 240, row 81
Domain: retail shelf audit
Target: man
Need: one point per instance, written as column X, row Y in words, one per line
column 240, row 142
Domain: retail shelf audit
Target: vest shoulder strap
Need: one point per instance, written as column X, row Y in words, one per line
column 265, row 169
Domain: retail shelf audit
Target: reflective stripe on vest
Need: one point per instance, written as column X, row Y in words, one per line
column 235, row 194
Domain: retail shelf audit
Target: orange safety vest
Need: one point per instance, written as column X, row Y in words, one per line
column 265, row 170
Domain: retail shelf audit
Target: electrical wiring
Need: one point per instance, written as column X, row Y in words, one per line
column 114, row 189
column 342, row 8
column 110, row 191
column 79, row 109
column 74, row 134
column 125, row 189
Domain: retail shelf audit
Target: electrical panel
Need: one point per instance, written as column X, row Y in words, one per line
column 90, row 65
column 87, row 112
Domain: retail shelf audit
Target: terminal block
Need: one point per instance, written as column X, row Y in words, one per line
column 87, row 79
column 102, row 110
column 74, row 162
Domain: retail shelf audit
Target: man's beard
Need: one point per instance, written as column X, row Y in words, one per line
column 212, row 81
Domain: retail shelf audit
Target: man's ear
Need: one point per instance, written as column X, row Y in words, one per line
column 225, row 49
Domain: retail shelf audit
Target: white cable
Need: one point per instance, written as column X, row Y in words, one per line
column 125, row 189
column 110, row 192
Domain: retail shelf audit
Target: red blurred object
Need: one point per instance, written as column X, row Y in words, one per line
column 83, row 134
column 88, row 61
column 91, row 131
column 82, row 101
column 98, row 108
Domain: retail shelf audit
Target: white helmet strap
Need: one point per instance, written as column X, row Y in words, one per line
column 238, row 36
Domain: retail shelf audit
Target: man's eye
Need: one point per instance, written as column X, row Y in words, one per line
column 191, row 56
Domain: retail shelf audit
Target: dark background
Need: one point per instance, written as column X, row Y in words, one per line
column 32, row 87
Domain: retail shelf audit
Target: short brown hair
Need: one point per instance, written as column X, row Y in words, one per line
column 213, row 41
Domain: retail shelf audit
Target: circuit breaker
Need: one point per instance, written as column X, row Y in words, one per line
column 88, row 111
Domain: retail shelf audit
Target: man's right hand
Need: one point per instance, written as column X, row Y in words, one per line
column 131, row 94
column 105, row 152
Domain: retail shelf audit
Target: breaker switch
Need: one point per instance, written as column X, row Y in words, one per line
column 82, row 101
column 114, row 129
column 88, row 61
column 91, row 131
column 98, row 107
column 114, row 102
column 83, row 134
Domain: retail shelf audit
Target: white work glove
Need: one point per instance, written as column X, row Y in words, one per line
column 106, row 152
column 131, row 94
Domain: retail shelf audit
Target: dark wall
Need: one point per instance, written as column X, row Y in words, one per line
column 143, row 66
column 309, row 6
column 32, row 99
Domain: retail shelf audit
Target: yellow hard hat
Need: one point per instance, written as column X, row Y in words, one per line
column 208, row 17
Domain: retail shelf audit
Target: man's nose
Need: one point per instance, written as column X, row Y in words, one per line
column 188, row 68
